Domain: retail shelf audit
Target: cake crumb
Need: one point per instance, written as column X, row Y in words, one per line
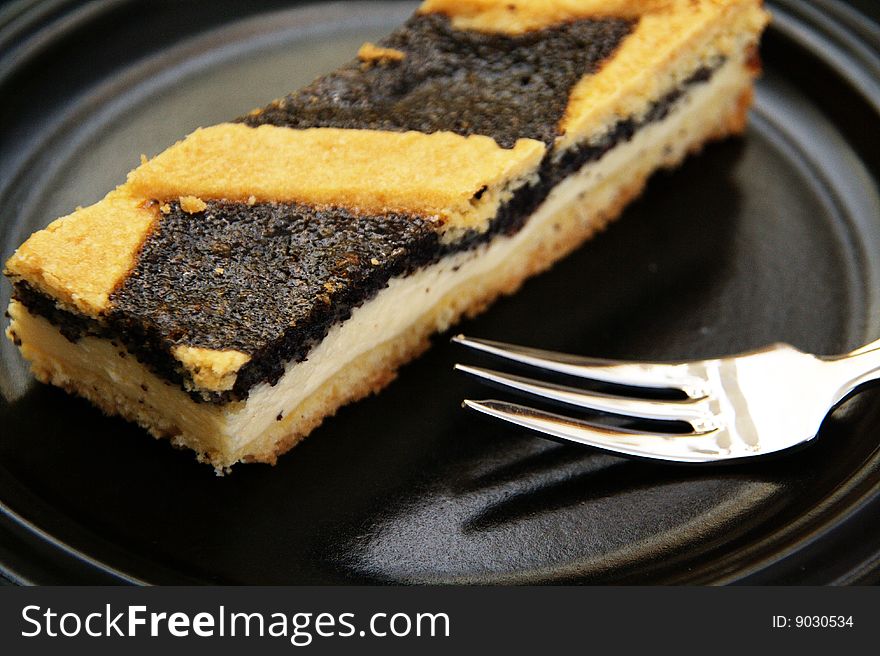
column 374, row 261
column 251, row 200
column 370, row 53
column 192, row 204
column 144, row 159
column 219, row 270
column 165, row 208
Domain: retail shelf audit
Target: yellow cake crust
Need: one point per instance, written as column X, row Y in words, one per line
column 210, row 369
column 664, row 50
column 370, row 53
column 80, row 258
column 520, row 16
column 369, row 171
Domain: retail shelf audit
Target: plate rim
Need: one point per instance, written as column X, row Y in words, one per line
column 839, row 509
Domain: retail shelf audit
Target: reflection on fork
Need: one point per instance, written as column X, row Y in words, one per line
column 739, row 406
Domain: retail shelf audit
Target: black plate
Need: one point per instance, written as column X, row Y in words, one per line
column 774, row 237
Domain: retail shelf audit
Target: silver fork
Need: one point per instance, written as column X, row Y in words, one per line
column 740, row 406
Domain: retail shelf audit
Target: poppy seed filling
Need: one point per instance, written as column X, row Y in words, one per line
column 267, row 279
column 504, row 87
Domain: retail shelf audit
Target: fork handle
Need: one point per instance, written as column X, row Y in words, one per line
column 858, row 367
column 871, row 346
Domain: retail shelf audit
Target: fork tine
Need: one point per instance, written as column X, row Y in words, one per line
column 686, row 447
column 673, row 376
column 694, row 412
